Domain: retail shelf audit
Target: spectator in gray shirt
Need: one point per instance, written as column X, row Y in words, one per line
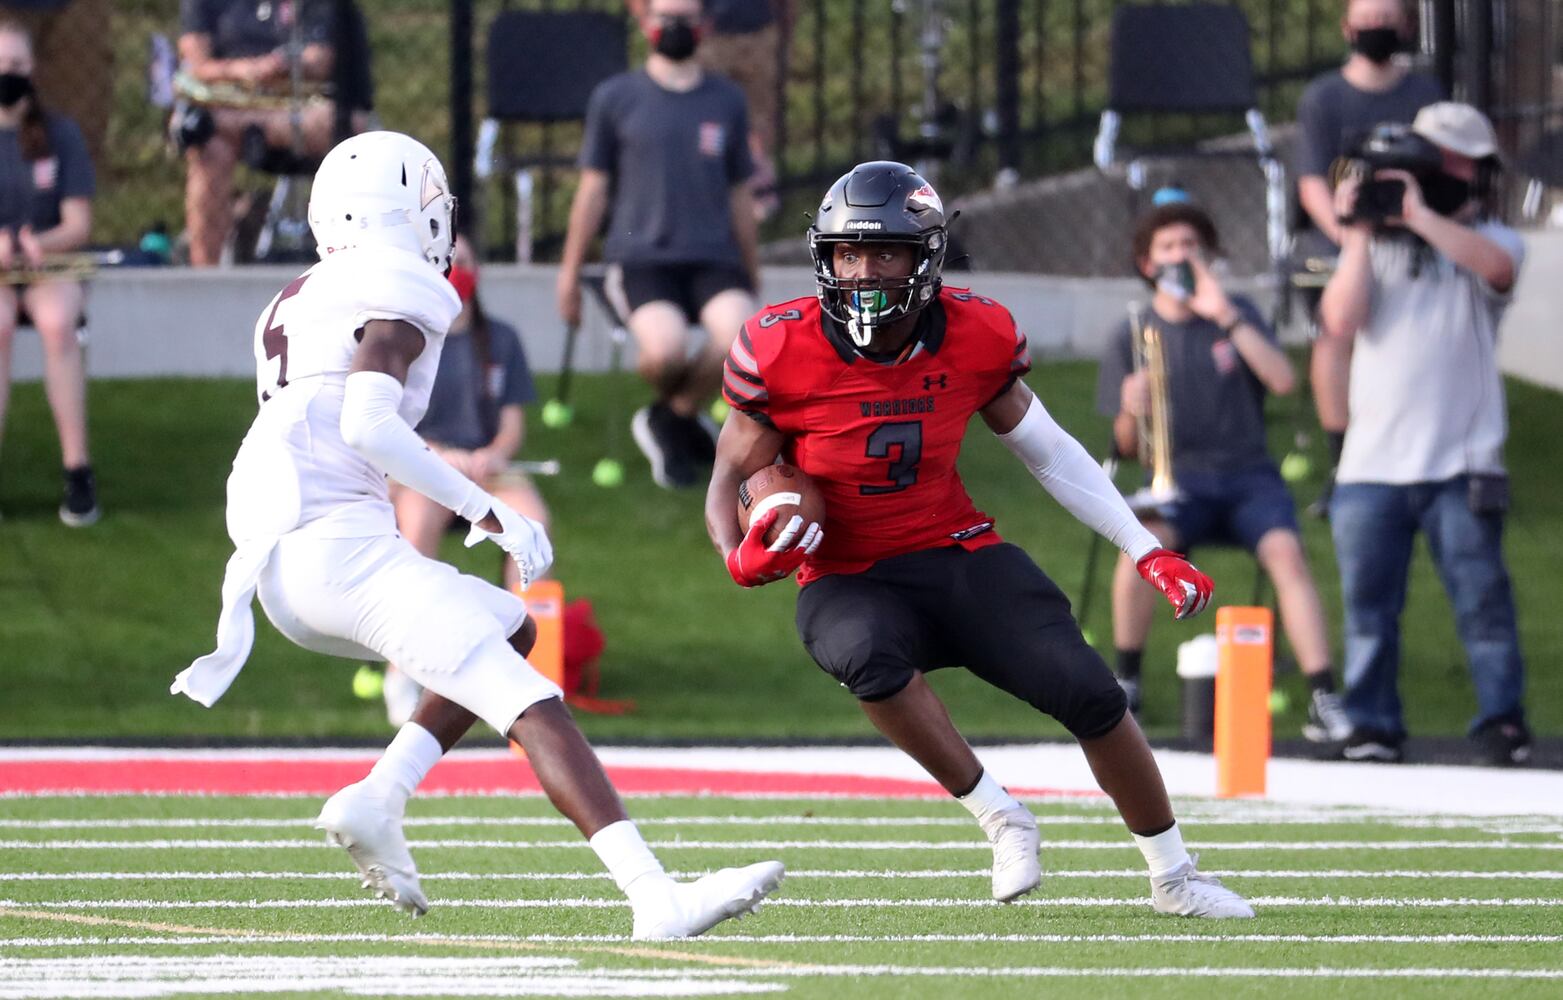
column 666, row 161
column 46, row 188
column 1220, row 360
column 1336, row 112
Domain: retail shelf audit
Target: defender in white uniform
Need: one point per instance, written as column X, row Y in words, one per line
column 345, row 357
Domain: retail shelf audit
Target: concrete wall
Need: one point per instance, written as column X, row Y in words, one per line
column 178, row 322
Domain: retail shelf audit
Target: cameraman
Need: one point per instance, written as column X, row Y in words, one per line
column 1422, row 293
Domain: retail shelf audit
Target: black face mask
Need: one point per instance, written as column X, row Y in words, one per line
column 1377, row 45
column 14, row 87
column 677, row 39
column 1444, row 194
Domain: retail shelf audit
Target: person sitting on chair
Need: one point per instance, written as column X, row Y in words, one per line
column 46, row 187
column 1220, row 359
column 247, row 44
column 476, row 422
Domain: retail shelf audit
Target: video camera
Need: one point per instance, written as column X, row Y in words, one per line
column 1390, row 146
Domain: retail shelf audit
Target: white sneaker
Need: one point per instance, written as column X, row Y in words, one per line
column 401, row 696
column 364, row 821
column 688, row 909
column 1017, row 869
column 1327, row 721
column 1186, row 892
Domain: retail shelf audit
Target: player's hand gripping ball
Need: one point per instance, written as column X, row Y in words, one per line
column 781, row 511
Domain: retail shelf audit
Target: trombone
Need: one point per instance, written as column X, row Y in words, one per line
column 1155, row 425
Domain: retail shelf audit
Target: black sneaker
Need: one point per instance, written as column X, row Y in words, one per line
column 1372, row 745
column 80, row 507
column 664, row 441
column 1503, row 744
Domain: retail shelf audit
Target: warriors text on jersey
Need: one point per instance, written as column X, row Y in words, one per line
column 880, row 440
column 294, row 469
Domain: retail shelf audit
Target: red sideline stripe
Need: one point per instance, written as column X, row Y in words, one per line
column 322, row 776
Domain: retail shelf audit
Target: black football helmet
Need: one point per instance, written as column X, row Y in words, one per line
column 878, row 202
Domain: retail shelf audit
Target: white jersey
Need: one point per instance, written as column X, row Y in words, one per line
column 294, row 469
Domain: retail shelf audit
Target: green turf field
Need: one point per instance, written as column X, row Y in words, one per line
column 152, row 896
column 94, row 623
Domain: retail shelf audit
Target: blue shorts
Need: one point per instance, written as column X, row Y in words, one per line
column 1230, row 508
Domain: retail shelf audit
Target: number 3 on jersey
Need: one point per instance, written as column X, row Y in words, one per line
column 904, row 437
column 274, row 340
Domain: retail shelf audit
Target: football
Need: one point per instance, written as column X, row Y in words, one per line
column 786, row 489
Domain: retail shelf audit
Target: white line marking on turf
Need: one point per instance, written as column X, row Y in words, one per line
column 772, row 845
column 718, row 939
column 589, row 903
column 807, row 873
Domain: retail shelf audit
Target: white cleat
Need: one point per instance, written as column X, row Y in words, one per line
column 1017, row 869
column 363, row 821
column 688, row 909
column 1186, row 892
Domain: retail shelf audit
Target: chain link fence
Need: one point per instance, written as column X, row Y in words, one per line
column 999, row 98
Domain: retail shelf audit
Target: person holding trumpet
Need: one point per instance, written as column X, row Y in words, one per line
column 46, row 187
column 1196, row 383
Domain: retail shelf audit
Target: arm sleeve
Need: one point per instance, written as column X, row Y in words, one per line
column 372, row 427
column 1066, row 471
column 1117, row 362
column 76, row 180
column 743, row 385
column 599, row 140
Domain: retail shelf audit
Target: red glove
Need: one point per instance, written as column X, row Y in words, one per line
column 1180, row 581
column 754, row 563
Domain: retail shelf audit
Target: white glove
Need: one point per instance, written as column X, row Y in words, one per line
column 522, row 537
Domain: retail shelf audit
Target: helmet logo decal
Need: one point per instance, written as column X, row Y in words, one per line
column 433, row 186
column 923, row 199
column 865, row 224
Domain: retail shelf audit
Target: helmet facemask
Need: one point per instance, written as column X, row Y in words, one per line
column 864, row 305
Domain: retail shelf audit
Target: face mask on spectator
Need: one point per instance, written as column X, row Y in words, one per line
column 1377, row 45
column 677, row 38
column 464, row 281
column 14, row 87
column 1444, row 194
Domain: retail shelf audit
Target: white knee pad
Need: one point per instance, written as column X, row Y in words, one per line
column 494, row 682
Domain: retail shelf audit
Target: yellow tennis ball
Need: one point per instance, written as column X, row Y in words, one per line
column 368, row 683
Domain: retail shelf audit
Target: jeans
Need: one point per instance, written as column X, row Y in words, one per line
column 1374, row 525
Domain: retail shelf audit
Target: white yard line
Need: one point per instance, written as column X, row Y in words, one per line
column 592, row 903
column 721, row 939
column 773, row 845
column 807, row 873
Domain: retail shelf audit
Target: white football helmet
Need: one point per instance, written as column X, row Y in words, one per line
column 383, row 189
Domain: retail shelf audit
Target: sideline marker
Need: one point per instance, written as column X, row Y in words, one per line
column 1245, row 639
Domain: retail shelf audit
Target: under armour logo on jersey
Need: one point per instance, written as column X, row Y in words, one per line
column 939, row 381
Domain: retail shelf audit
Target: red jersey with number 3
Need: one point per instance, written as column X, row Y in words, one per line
column 879, row 439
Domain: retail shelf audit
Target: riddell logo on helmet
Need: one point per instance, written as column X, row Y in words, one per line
column 865, row 224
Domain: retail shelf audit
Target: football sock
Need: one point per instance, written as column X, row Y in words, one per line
column 1128, row 663
column 624, row 853
column 1323, row 681
column 408, row 759
column 987, row 797
column 1163, row 851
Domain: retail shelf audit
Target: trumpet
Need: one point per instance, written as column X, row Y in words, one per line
column 233, row 95
column 1154, row 425
column 61, row 267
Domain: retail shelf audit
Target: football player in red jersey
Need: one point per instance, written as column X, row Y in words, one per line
column 869, row 388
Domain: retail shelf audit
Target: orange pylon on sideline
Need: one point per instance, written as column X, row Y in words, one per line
column 545, row 604
column 1245, row 639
